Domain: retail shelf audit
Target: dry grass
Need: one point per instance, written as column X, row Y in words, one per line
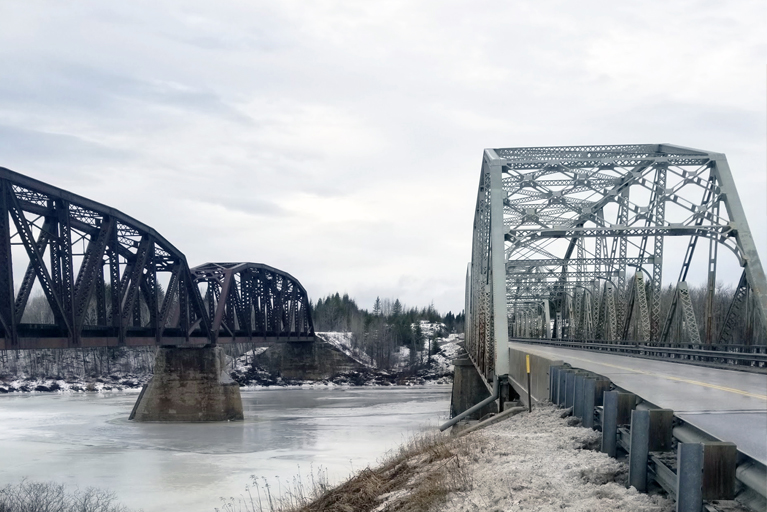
column 29, row 496
column 415, row 478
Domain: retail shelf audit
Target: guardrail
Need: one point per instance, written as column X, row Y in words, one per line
column 693, row 467
column 737, row 357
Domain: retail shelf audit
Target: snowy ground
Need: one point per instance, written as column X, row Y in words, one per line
column 100, row 385
column 539, row 462
column 532, row 461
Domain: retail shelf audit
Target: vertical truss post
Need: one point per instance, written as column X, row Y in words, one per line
column 101, row 299
column 711, row 283
column 601, row 314
column 498, row 262
column 6, row 269
column 610, row 316
column 623, row 216
column 115, row 290
column 67, row 283
column 149, row 286
column 657, row 268
column 643, row 320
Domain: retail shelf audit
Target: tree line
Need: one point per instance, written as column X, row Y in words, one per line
column 377, row 335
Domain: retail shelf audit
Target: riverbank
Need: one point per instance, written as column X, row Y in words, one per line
column 536, row 461
column 247, row 368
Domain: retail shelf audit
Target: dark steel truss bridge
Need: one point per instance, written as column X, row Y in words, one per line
column 594, row 246
column 95, row 277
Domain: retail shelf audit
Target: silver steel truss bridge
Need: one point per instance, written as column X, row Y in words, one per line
column 110, row 280
column 579, row 245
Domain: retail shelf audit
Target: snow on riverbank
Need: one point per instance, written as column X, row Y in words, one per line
column 437, row 369
column 99, row 385
column 538, row 462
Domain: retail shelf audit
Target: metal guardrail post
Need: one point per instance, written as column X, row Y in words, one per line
column 640, row 449
column 626, row 404
column 562, row 388
column 616, row 411
column 610, row 423
column 719, row 469
column 589, row 401
column 594, row 388
column 570, row 389
column 689, row 477
column 579, row 409
column 553, row 383
column 661, row 424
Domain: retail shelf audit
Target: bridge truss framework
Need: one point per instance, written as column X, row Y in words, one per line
column 569, row 243
column 110, row 280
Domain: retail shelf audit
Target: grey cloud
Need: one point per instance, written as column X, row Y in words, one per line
column 20, row 144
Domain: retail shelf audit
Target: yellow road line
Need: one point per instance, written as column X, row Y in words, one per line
column 678, row 379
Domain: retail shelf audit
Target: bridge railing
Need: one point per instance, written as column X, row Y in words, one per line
column 742, row 357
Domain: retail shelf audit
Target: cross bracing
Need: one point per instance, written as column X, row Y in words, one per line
column 106, row 279
column 569, row 242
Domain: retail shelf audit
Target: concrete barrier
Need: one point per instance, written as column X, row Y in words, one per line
column 539, row 374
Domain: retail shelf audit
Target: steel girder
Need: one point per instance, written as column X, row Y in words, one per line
column 566, row 223
column 102, row 275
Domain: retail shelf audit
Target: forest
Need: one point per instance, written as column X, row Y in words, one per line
column 379, row 333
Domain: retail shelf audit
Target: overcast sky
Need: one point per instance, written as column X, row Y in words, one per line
column 342, row 141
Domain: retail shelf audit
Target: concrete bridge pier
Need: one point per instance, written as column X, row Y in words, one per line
column 189, row 385
column 468, row 390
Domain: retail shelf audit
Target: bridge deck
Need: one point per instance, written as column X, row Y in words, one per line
column 727, row 404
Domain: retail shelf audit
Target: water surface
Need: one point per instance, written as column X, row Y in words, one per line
column 86, row 440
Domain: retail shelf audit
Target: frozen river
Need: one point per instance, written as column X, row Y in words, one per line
column 86, row 440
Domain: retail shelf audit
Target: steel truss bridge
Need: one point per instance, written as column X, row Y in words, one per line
column 570, row 244
column 109, row 280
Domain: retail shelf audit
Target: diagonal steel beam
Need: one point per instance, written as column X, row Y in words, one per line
column 87, row 277
column 25, row 233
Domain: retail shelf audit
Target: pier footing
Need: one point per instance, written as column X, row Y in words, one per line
column 189, row 385
column 468, row 390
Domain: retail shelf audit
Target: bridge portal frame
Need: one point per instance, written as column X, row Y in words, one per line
column 561, row 226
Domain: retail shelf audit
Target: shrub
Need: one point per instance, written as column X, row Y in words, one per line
column 29, row 496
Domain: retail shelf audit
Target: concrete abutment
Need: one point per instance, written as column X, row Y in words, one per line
column 468, row 390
